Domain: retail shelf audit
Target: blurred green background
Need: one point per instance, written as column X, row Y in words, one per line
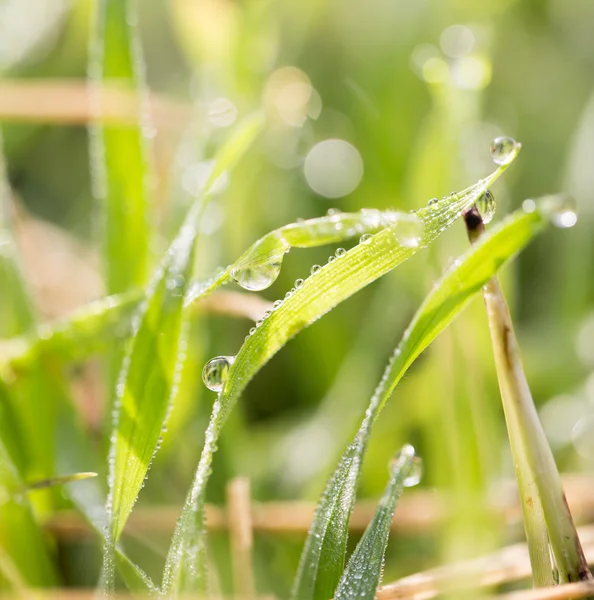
column 417, row 91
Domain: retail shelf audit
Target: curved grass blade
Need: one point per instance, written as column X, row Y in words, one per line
column 185, row 569
column 364, row 570
column 119, row 152
column 92, row 328
column 322, row 559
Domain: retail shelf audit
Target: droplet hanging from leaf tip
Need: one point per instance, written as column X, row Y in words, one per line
column 216, row 372
column 486, row 205
column 503, row 149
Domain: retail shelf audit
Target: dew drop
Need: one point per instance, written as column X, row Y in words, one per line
column 503, row 149
column 340, row 253
column 433, row 201
column 259, row 267
column 315, row 269
column 216, row 371
column 252, row 331
column 365, row 238
column 331, row 258
column 277, row 304
column 486, row 205
column 415, row 474
column 332, row 211
column 298, row 284
column 408, row 230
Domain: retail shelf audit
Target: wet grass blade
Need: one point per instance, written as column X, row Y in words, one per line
column 92, row 328
column 118, row 152
column 364, row 570
column 149, row 377
column 185, row 569
column 320, row 569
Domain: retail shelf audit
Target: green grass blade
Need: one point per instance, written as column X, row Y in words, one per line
column 148, row 378
column 185, row 569
column 93, row 327
column 364, row 570
column 26, row 558
column 118, row 153
column 320, row 568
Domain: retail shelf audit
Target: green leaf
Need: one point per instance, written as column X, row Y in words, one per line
column 322, row 559
column 118, row 152
column 185, row 569
column 363, row 573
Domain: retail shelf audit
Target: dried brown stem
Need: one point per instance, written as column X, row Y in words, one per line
column 239, row 516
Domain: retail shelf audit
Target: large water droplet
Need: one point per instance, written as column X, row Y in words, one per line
column 216, row 371
column 486, row 205
column 408, row 230
column 259, row 267
column 503, row 149
column 415, row 474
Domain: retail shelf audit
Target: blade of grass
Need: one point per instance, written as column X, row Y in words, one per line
column 149, row 376
column 118, row 152
column 90, row 329
column 320, row 568
column 185, row 569
column 21, row 540
column 547, row 519
column 364, row 570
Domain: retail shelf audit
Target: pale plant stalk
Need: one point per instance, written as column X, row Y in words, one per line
column 547, row 519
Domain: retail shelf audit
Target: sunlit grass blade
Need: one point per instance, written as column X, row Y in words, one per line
column 364, row 570
column 118, row 152
column 319, row 571
column 327, row 287
column 148, row 379
column 93, row 327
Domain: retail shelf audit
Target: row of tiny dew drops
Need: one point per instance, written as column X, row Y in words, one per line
column 502, row 150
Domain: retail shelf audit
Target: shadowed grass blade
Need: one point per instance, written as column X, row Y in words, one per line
column 364, row 570
column 320, row 568
column 24, row 558
column 185, row 569
column 118, row 152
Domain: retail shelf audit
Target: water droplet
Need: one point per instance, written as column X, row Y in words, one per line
column 486, row 205
column 415, row 474
column 259, row 322
column 433, row 201
column 332, row 211
column 277, row 304
column 365, row 238
column 315, row 269
column 267, row 314
column 408, row 230
column 259, row 267
column 331, row 258
column 503, row 150
column 340, row 253
column 252, row 331
column 298, row 284
column 216, row 371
